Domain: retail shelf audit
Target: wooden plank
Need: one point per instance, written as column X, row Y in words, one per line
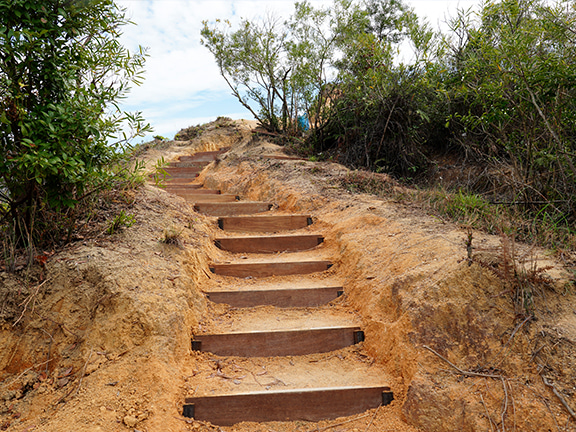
column 191, row 164
column 264, row 223
column 270, row 268
column 179, row 180
column 280, row 342
column 232, row 209
column 269, row 244
column 312, row 404
column 184, row 191
column 181, row 174
column 185, row 170
column 183, row 186
column 198, row 198
column 293, row 297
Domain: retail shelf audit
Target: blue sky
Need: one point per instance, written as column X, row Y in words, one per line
column 183, row 86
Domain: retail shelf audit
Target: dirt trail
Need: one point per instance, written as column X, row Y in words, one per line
column 104, row 344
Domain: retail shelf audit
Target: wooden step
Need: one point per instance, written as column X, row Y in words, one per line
column 266, row 269
column 181, row 180
column 269, row 244
column 278, row 342
column 183, row 186
column 185, row 170
column 181, row 174
column 264, row 223
column 188, row 191
column 199, row 198
column 309, row 404
column 283, row 298
column 232, row 209
column 190, row 164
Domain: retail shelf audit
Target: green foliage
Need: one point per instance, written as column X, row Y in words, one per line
column 513, row 81
column 61, row 140
column 121, row 220
column 160, row 173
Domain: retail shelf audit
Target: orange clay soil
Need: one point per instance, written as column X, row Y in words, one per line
column 102, row 334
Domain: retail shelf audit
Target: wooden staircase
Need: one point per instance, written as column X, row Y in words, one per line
column 280, row 258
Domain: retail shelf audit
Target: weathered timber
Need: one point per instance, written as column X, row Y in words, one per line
column 188, row 191
column 190, row 164
column 291, row 297
column 232, row 209
column 280, row 342
column 173, row 169
column 310, row 404
column 182, row 186
column 264, row 223
column 180, row 180
column 199, row 198
column 269, row 244
column 182, row 173
column 266, row 269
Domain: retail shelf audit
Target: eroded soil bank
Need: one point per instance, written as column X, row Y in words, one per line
column 102, row 334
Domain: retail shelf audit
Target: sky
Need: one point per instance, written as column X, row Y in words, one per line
column 183, row 86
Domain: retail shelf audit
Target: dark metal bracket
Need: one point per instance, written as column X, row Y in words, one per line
column 188, row 411
column 196, row 345
column 387, row 397
column 358, row 336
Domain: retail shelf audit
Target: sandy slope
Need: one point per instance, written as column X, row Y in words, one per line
column 104, row 343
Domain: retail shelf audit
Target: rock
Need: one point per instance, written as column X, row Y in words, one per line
column 130, row 421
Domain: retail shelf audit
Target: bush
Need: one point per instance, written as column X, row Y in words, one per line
column 61, row 139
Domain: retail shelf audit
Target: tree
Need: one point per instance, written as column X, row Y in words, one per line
column 284, row 67
column 62, row 73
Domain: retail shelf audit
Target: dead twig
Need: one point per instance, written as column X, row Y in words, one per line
column 75, row 390
column 505, row 403
column 24, row 372
column 27, row 302
column 372, row 419
column 341, row 423
column 490, row 421
column 461, row 371
column 559, row 396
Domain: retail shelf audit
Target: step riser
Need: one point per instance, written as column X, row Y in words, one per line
column 284, row 298
column 270, row 269
column 183, row 187
column 232, row 209
column 264, row 223
column 280, row 343
column 180, row 180
column 199, row 165
column 187, row 191
column 311, row 405
column 269, row 244
column 209, row 198
column 181, row 174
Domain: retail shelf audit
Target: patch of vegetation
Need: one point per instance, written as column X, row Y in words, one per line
column 121, row 220
column 62, row 143
column 172, row 236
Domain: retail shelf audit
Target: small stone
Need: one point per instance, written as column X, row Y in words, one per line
column 130, row 421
